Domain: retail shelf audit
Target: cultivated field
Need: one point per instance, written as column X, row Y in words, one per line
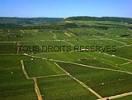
column 33, row 66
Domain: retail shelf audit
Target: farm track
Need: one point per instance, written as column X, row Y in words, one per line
column 117, row 41
column 36, row 88
column 11, row 54
column 110, row 40
column 8, row 41
column 129, row 60
column 81, row 83
column 18, row 47
column 49, row 76
column 68, row 42
column 67, row 34
column 87, row 66
column 119, row 57
column 125, row 63
column 124, row 46
column 54, row 35
column 24, row 71
column 117, row 96
column 36, row 41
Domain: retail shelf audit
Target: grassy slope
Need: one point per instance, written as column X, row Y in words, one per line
column 38, row 67
column 63, row 88
column 106, row 83
column 14, row 85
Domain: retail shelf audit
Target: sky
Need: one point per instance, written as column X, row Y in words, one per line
column 65, row 8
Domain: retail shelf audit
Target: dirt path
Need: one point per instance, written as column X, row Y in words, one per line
column 37, row 89
column 68, row 42
column 117, row 41
column 67, row 34
column 54, row 35
column 125, row 63
column 24, row 71
column 100, row 68
column 118, row 57
column 50, row 76
column 116, row 96
column 81, row 83
column 18, row 47
column 121, row 71
column 8, row 41
column 93, row 67
column 124, row 46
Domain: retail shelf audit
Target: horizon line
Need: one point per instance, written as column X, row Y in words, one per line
column 61, row 17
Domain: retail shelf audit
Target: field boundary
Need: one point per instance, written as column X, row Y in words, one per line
column 81, row 83
column 125, row 63
column 18, row 47
column 117, row 96
column 93, row 67
column 129, row 60
column 124, row 43
column 50, row 76
column 84, row 85
column 124, row 46
column 37, row 90
column 24, row 71
column 118, row 57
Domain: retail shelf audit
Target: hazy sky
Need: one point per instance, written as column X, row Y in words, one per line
column 65, row 8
